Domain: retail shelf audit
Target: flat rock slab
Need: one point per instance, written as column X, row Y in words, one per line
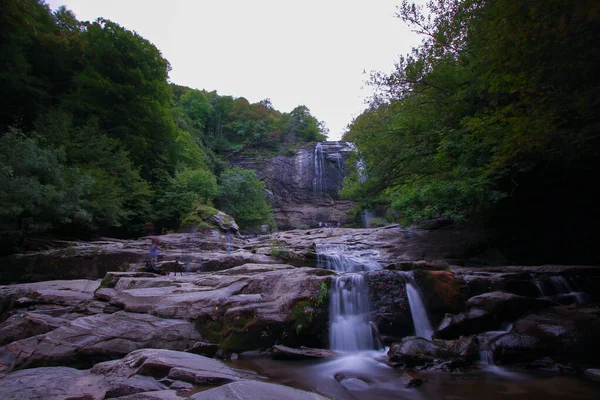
column 254, row 390
column 176, row 365
column 97, row 337
column 52, row 383
column 22, row 325
column 288, row 353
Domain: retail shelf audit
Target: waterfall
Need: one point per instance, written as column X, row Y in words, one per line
column 319, row 164
column 418, row 312
column 349, row 314
column 486, row 344
column 349, row 307
column 559, row 286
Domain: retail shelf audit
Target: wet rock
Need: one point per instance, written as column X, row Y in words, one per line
column 487, row 312
column 287, row 353
column 414, row 350
column 592, row 374
column 353, row 383
column 97, row 338
column 562, row 333
column 254, row 390
column 411, row 379
column 204, row 349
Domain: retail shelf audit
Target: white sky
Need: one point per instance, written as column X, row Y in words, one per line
column 302, row 52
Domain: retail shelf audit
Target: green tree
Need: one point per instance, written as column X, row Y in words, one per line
column 37, row 185
column 497, row 91
column 189, row 187
column 241, row 195
column 124, row 84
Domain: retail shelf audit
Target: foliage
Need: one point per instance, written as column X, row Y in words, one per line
column 241, row 195
column 108, row 144
column 189, row 186
column 496, row 90
column 37, row 185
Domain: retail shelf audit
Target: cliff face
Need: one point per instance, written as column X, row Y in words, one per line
column 304, row 188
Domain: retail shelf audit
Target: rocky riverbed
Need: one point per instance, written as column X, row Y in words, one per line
column 86, row 322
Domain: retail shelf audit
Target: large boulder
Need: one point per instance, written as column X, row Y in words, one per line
column 173, row 365
column 562, row 333
column 96, row 338
column 243, row 308
column 414, row 350
column 488, row 312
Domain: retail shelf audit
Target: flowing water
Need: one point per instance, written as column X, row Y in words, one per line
column 360, row 372
column 561, row 287
column 319, row 164
column 419, row 313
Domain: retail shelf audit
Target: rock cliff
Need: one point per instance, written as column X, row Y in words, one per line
column 304, row 187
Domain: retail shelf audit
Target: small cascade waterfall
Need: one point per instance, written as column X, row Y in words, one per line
column 419, row 313
column 349, row 307
column 486, row 344
column 349, row 314
column 560, row 286
column 319, row 164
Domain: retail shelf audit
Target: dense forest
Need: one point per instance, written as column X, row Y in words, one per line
column 493, row 120
column 95, row 139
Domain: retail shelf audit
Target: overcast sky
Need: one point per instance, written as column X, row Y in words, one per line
column 302, row 52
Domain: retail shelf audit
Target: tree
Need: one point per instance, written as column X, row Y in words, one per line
column 491, row 94
column 241, row 195
column 124, row 85
column 190, row 186
column 37, row 185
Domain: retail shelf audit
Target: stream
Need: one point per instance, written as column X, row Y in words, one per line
column 361, row 371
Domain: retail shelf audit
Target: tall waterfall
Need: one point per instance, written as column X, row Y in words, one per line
column 349, row 306
column 319, row 163
column 419, row 313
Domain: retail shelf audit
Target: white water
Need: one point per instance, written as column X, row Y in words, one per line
column 486, row 344
column 319, row 164
column 558, row 285
column 349, row 307
column 349, row 314
column 419, row 313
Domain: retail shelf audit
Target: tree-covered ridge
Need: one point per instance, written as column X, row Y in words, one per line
column 95, row 139
column 494, row 115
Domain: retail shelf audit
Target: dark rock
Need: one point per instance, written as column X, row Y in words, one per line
column 414, row 350
column 562, row 333
column 411, row 379
column 488, row 312
column 287, row 353
column 204, row 349
column 592, row 374
column 254, row 390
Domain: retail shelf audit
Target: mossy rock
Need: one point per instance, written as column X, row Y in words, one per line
column 109, row 281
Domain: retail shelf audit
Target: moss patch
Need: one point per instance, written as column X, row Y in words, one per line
column 109, row 281
column 199, row 216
